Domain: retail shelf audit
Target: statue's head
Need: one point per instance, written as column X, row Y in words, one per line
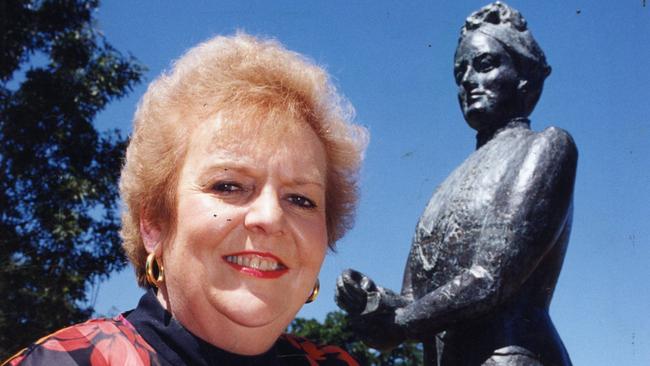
column 498, row 66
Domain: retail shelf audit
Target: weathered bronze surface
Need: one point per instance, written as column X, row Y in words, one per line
column 489, row 247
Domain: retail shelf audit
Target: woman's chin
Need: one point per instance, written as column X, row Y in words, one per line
column 252, row 312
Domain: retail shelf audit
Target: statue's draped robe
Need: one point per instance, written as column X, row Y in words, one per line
column 488, row 250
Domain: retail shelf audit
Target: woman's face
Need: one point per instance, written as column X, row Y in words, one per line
column 251, row 232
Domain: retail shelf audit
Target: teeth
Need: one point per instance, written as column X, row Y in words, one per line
column 255, row 262
column 265, row 266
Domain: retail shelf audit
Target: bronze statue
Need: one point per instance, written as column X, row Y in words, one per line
column 489, row 247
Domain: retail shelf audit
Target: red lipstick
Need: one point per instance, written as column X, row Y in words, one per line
column 256, row 264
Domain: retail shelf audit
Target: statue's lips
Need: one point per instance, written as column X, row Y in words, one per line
column 476, row 100
column 256, row 264
column 476, row 95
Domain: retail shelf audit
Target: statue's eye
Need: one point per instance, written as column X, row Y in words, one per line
column 486, row 62
column 459, row 71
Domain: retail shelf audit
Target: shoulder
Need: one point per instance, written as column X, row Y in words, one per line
column 556, row 138
column 95, row 342
column 300, row 351
column 549, row 165
column 553, row 148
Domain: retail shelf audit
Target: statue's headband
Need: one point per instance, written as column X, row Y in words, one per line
column 509, row 27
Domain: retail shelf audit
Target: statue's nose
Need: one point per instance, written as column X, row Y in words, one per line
column 468, row 80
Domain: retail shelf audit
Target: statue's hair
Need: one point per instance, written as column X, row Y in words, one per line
column 508, row 26
column 244, row 78
column 496, row 13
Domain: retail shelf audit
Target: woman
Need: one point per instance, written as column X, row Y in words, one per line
column 240, row 173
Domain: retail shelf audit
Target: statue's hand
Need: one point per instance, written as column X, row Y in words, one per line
column 353, row 290
column 371, row 309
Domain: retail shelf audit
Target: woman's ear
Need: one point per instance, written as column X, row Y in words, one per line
column 150, row 233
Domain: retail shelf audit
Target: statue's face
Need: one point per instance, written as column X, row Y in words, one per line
column 487, row 82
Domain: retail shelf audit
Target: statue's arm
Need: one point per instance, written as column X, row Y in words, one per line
column 371, row 308
column 407, row 284
column 521, row 229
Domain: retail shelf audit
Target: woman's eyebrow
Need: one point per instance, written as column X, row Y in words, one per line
column 241, row 166
column 210, row 170
column 308, row 181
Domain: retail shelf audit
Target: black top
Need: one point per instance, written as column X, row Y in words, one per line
column 150, row 336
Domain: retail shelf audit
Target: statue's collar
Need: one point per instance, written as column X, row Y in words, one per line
column 482, row 137
column 521, row 122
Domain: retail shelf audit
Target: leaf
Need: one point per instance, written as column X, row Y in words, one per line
column 58, row 174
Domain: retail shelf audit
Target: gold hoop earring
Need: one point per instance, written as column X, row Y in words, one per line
column 314, row 292
column 149, row 265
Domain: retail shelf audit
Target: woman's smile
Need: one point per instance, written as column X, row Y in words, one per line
column 257, row 264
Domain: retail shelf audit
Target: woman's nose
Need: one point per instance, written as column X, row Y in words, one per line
column 265, row 214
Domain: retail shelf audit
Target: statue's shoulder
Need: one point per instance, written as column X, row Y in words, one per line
column 557, row 140
column 556, row 135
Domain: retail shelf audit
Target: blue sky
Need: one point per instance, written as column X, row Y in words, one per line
column 393, row 61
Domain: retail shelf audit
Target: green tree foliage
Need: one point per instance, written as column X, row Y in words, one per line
column 335, row 330
column 58, row 174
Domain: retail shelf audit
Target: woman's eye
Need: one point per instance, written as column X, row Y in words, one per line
column 301, row 201
column 227, row 187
